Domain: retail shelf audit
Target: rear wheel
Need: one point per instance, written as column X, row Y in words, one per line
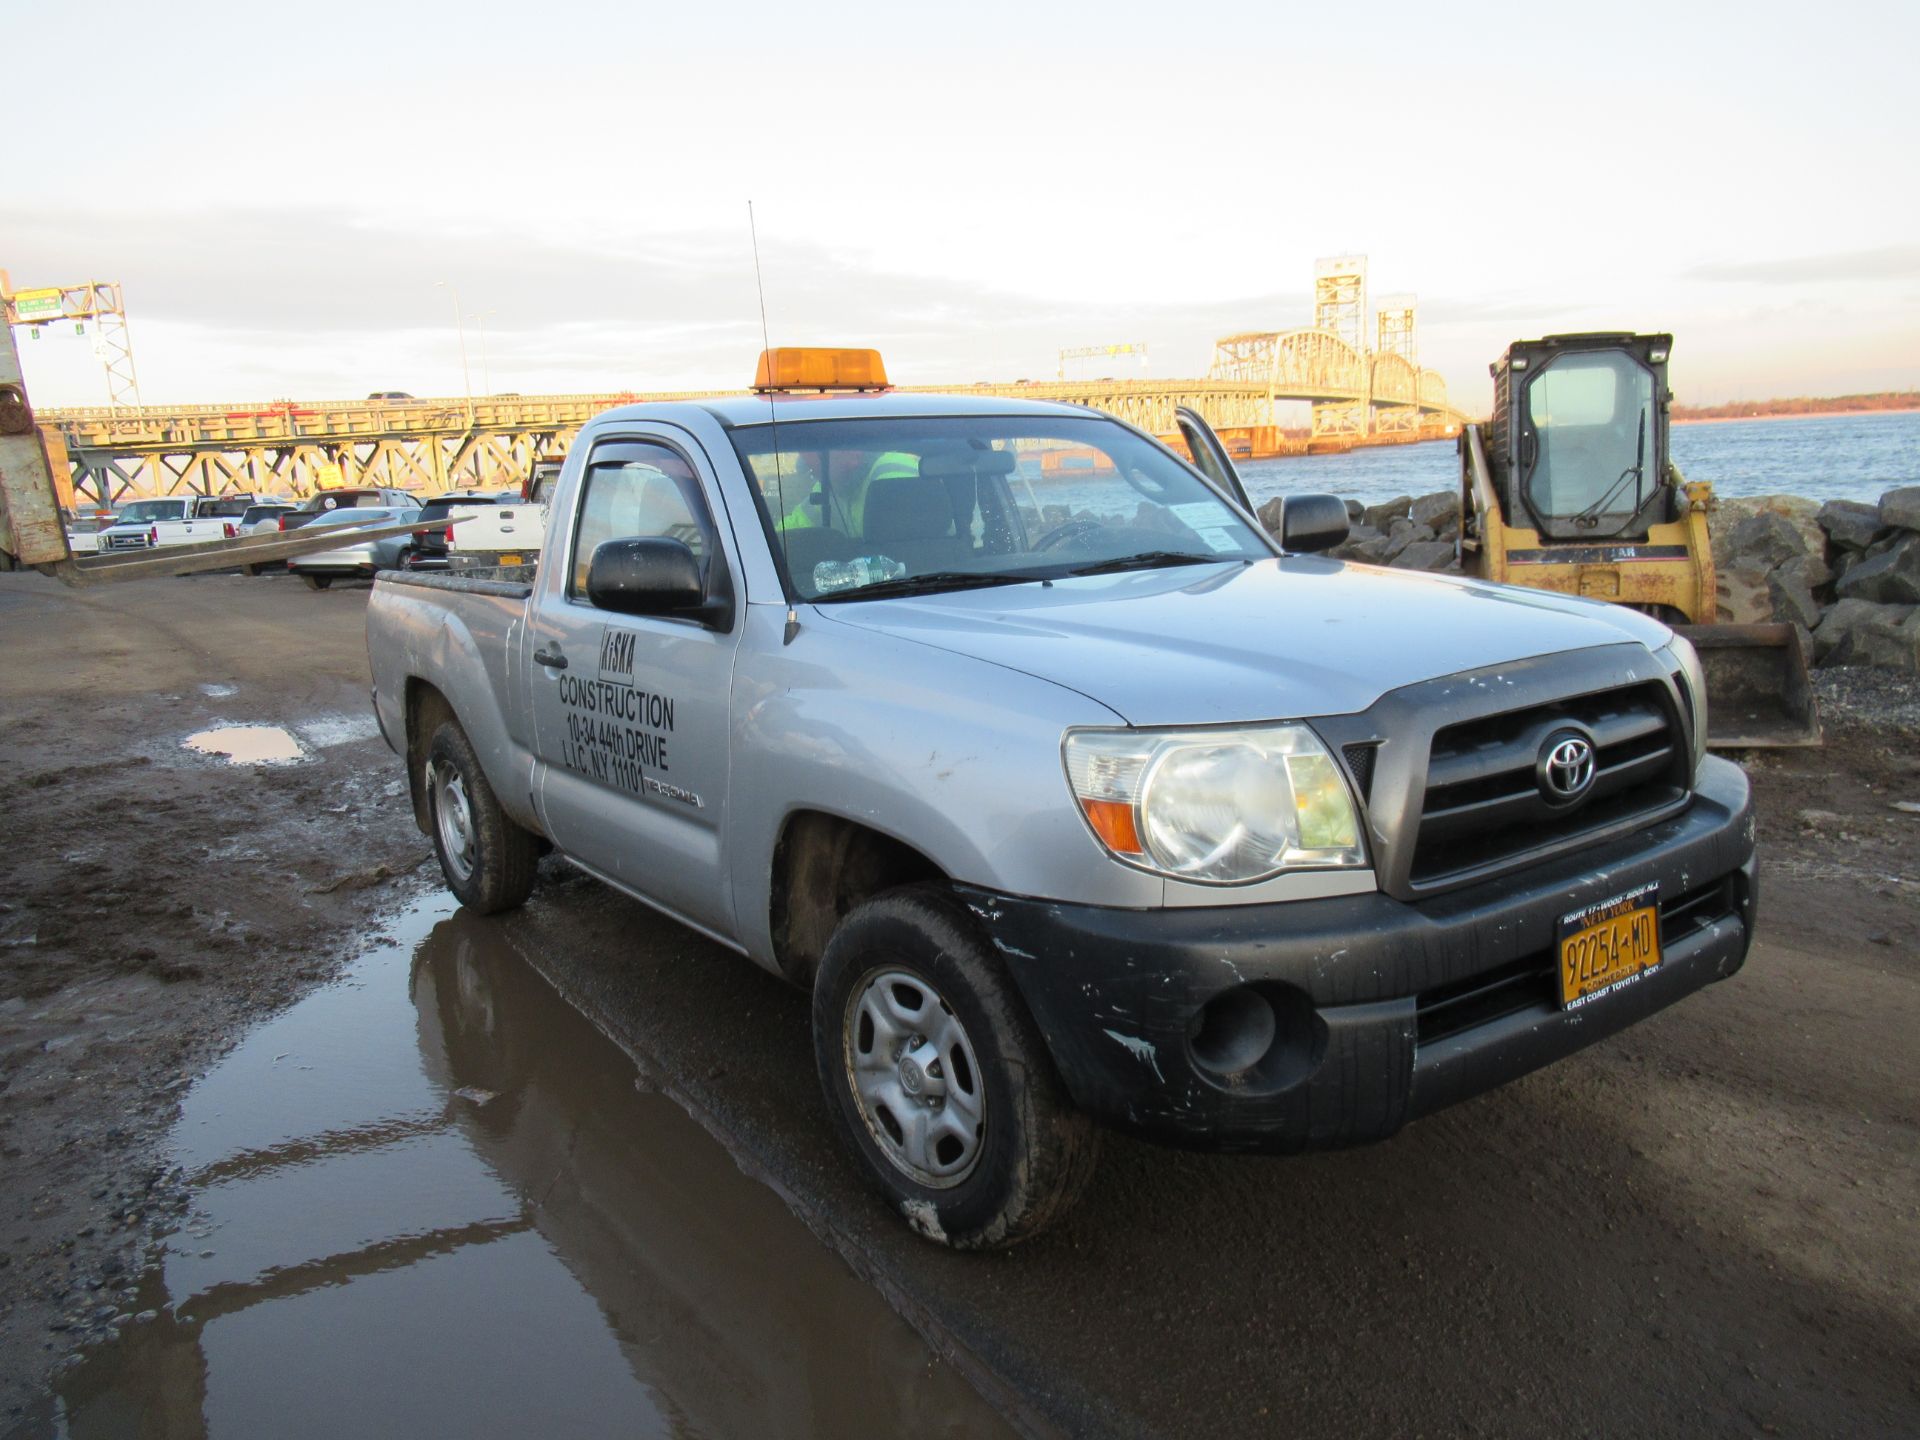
column 317, row 582
column 488, row 860
column 938, row 1080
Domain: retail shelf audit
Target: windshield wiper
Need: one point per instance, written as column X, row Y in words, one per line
column 1149, row 560
column 923, row 584
column 1589, row 518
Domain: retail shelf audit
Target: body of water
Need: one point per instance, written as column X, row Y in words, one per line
column 1823, row 457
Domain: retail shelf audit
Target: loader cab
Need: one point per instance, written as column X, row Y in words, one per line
column 1578, row 439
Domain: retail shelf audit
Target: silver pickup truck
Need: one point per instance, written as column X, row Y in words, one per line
column 1072, row 795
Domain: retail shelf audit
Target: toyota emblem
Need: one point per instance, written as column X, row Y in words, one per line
column 1565, row 771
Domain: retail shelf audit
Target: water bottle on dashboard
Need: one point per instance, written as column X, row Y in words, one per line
column 830, row 575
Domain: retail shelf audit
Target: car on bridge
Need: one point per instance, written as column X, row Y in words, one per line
column 1071, row 795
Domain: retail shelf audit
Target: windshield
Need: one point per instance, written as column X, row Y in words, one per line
column 1592, row 415
column 440, row 509
column 865, row 507
column 145, row 512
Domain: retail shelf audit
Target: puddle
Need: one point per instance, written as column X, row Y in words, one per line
column 218, row 692
column 247, row 744
column 431, row 1200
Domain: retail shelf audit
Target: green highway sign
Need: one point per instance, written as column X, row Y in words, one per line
column 32, row 305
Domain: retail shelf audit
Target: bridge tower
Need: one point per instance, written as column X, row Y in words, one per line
column 1340, row 307
column 1394, row 341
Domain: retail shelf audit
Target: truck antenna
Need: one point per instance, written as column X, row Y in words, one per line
column 773, row 421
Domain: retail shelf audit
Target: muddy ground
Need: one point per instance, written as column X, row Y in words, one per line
column 1705, row 1226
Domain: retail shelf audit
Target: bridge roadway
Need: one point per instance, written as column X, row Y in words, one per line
column 294, row 447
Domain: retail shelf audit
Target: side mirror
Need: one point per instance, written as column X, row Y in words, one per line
column 1309, row 523
column 654, row 575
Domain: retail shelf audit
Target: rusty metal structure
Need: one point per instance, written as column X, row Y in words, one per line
column 289, row 448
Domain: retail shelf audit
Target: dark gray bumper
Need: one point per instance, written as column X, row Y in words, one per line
column 1321, row 1023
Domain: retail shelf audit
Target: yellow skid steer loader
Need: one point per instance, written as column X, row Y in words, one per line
column 1570, row 487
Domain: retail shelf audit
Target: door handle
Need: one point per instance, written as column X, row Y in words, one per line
column 552, row 659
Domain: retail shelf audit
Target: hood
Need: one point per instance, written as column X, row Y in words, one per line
column 1278, row 639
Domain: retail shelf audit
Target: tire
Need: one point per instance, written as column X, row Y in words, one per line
column 251, row 569
column 907, row 966
column 488, row 860
column 317, row 582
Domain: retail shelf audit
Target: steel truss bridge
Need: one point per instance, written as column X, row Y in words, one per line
column 288, row 448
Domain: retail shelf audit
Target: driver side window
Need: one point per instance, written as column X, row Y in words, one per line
column 634, row 489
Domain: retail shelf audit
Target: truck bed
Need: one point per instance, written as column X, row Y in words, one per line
column 461, row 636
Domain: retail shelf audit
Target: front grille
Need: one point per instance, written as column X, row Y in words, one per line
column 1483, row 809
column 1530, row 981
column 1359, row 760
column 126, row 542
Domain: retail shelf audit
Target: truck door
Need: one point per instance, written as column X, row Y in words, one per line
column 1210, row 457
column 630, row 712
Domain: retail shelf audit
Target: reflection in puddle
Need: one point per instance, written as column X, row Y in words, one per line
column 247, row 744
column 429, row 1200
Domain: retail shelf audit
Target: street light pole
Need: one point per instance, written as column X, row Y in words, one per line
column 460, row 326
column 486, row 369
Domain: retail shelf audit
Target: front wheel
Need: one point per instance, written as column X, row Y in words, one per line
column 488, row 859
column 937, row 1079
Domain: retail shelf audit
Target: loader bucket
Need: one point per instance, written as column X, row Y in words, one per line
column 1758, row 691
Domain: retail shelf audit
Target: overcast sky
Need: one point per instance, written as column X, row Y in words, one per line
column 967, row 187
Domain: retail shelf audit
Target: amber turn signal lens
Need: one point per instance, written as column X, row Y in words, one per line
column 1112, row 821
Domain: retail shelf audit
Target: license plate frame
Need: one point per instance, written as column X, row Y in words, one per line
column 1624, row 930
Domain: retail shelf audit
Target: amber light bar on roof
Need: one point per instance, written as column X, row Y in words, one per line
column 810, row 368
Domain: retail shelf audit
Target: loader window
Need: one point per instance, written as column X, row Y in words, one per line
column 1591, row 418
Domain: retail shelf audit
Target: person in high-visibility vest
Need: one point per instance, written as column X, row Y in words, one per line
column 850, row 507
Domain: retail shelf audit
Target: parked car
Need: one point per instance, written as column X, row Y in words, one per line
column 507, row 532
column 388, row 395
column 174, row 520
column 263, row 516
column 358, row 559
column 1070, row 795
column 430, row 546
column 512, row 534
column 83, row 532
column 324, row 502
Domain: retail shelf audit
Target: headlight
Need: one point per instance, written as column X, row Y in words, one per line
column 1220, row 807
column 1695, row 680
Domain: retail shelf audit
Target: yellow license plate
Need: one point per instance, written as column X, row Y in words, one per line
column 509, row 559
column 1609, row 946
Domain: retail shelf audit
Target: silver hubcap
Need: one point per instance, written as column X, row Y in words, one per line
column 914, row 1076
column 455, row 818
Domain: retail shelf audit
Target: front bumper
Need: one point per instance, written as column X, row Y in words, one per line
column 1314, row 1024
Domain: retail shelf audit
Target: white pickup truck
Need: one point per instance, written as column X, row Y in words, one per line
column 507, row 533
column 176, row 520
